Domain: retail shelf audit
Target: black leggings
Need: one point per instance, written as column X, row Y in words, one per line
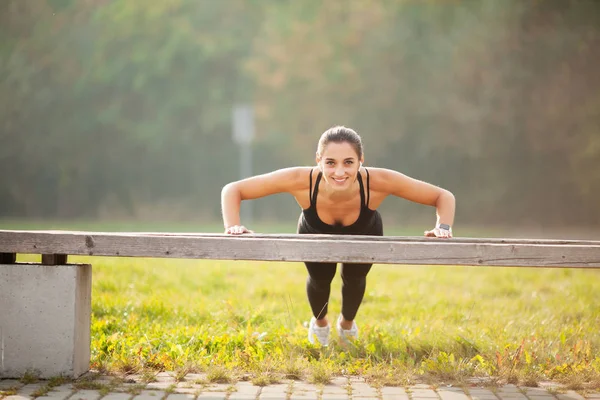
column 354, row 276
column 318, row 287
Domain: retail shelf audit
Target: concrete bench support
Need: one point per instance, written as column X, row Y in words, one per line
column 45, row 319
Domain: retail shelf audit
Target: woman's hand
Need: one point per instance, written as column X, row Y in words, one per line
column 237, row 230
column 438, row 232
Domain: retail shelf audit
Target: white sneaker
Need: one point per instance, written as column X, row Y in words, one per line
column 321, row 332
column 347, row 335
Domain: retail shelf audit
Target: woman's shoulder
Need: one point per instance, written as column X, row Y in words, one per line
column 294, row 177
column 382, row 178
column 298, row 172
column 376, row 172
column 290, row 180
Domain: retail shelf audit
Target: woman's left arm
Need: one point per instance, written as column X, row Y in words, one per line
column 397, row 184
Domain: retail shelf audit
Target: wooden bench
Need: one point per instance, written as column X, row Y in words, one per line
column 45, row 307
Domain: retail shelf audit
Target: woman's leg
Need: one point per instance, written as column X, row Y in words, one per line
column 354, row 278
column 354, row 283
column 318, row 286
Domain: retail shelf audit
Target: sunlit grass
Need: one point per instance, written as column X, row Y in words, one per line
column 426, row 322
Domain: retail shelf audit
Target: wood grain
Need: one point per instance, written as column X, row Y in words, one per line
column 324, row 248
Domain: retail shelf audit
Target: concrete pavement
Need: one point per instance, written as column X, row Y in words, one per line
column 195, row 387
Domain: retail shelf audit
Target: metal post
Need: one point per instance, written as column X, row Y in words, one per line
column 243, row 134
column 245, row 172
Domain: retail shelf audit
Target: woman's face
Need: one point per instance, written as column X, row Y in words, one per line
column 340, row 164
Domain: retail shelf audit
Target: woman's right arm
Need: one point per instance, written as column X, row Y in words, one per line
column 280, row 181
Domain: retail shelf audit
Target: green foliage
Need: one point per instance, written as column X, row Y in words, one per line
column 123, row 108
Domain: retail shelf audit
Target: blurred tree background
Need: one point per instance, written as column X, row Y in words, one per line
column 122, row 108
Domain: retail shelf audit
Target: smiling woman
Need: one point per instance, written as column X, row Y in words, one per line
column 337, row 196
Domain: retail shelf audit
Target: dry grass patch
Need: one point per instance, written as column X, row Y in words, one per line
column 219, row 374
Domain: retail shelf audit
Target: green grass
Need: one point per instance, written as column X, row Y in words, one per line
column 246, row 320
column 435, row 323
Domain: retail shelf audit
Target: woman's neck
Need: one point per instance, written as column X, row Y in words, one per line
column 339, row 195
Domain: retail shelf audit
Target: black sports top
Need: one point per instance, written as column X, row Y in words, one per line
column 368, row 222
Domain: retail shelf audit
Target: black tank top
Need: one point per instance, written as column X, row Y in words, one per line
column 368, row 222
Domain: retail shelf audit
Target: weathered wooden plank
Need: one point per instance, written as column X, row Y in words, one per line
column 8, row 258
column 378, row 238
column 334, row 237
column 303, row 248
column 54, row 259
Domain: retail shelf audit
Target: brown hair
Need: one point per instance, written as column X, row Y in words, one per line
column 340, row 134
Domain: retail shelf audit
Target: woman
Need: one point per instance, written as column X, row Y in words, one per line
column 338, row 196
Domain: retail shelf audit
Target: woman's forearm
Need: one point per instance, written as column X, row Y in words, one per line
column 445, row 207
column 230, row 205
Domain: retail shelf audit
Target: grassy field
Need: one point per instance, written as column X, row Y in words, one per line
column 238, row 320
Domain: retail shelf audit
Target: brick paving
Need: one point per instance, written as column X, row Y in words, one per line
column 195, row 387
